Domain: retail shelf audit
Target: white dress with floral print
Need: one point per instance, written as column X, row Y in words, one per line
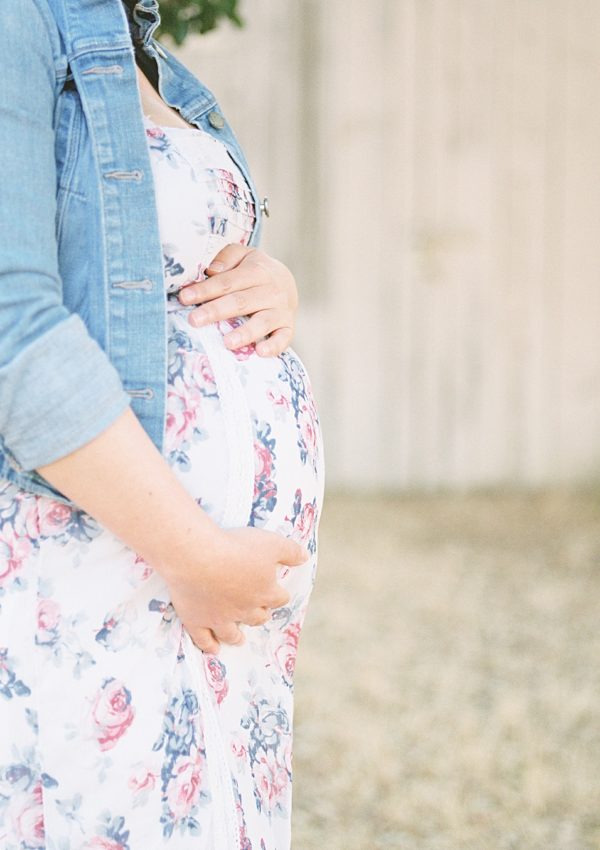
column 117, row 732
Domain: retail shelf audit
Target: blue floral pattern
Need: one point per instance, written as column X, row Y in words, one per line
column 121, row 737
column 183, row 770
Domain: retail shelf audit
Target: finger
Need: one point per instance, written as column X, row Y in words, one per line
column 228, row 258
column 229, row 633
column 258, row 617
column 292, row 553
column 248, row 302
column 205, row 640
column 257, row 327
column 240, row 279
column 279, row 597
column 277, row 342
column 243, row 276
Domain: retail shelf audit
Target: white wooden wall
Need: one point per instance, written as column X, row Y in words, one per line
column 433, row 168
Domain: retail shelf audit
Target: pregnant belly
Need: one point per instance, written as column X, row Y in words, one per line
column 242, row 431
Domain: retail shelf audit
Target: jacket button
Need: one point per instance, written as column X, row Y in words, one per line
column 264, row 207
column 216, row 120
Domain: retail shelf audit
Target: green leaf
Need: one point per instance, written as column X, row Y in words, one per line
column 179, row 18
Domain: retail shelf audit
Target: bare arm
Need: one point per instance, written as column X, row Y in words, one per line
column 52, row 371
column 217, row 578
column 121, row 479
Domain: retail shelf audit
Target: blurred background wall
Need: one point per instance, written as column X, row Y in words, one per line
column 432, row 171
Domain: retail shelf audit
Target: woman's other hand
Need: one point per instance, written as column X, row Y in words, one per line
column 214, row 591
column 246, row 282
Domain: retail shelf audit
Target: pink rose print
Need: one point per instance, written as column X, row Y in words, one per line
column 265, row 490
column 99, row 842
column 308, row 430
column 48, row 614
column 48, row 619
column 117, row 630
column 184, row 789
column 246, row 351
column 216, row 673
column 286, row 652
column 279, row 400
column 239, row 749
column 141, row 783
column 306, row 522
column 14, row 550
column 263, row 461
column 272, row 780
column 28, row 818
column 303, row 522
column 54, row 517
column 202, row 373
column 143, row 780
column 112, row 713
column 181, row 416
column 141, row 569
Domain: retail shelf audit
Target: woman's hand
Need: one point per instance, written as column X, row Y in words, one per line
column 236, row 582
column 246, row 282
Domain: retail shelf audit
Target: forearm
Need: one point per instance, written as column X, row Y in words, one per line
column 122, row 480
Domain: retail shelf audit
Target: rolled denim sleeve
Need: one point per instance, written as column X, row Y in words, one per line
column 58, row 388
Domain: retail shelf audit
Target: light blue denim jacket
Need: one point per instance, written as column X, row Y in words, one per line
column 83, row 321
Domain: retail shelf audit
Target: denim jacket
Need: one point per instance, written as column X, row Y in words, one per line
column 83, row 320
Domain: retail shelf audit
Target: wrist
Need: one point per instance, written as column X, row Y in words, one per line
column 194, row 546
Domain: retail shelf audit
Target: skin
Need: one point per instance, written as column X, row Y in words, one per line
column 217, row 578
column 242, row 281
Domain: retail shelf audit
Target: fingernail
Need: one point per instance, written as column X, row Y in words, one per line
column 233, row 340
column 216, row 266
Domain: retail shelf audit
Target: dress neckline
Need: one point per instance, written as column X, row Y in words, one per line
column 166, row 127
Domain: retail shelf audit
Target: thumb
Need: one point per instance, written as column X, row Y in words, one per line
column 228, row 258
column 293, row 554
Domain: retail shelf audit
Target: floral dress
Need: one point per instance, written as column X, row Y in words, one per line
column 118, row 733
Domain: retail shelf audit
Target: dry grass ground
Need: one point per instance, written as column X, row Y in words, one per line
column 448, row 680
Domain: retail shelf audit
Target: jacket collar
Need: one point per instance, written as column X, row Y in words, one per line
column 143, row 17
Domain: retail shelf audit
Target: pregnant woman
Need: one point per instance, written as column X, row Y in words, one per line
column 161, row 462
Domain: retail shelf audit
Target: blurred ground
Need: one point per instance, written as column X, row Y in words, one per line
column 448, row 678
